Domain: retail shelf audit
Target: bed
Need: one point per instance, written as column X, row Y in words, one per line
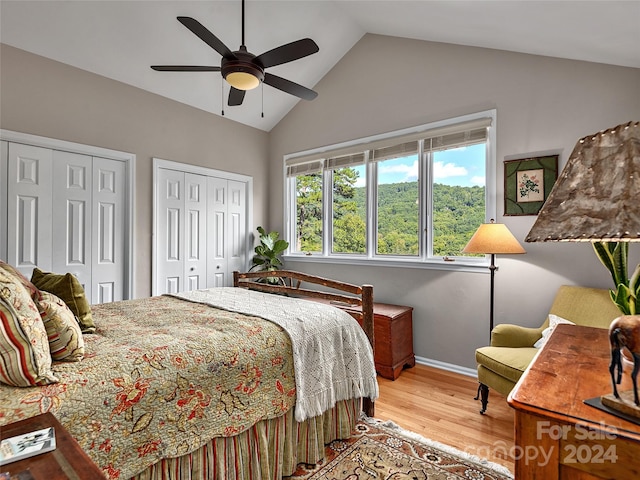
column 242, row 382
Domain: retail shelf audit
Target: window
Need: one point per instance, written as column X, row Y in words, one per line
column 415, row 196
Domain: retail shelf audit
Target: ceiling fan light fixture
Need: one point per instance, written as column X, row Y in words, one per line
column 242, row 80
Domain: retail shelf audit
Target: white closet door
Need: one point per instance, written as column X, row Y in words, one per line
column 217, row 233
column 237, row 229
column 108, row 230
column 170, row 231
column 67, row 212
column 71, row 203
column 200, row 227
column 29, row 225
column 227, row 230
column 4, row 153
column 195, row 242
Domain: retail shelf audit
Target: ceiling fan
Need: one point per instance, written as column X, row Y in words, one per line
column 244, row 70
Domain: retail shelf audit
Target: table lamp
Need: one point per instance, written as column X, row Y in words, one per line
column 492, row 238
column 597, row 199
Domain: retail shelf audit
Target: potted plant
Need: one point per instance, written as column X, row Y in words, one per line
column 614, row 256
column 268, row 253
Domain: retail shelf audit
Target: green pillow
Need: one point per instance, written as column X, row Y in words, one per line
column 70, row 291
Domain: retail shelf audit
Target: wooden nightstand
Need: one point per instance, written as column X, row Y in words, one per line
column 67, row 462
column 393, row 336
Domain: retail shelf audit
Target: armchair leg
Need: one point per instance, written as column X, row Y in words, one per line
column 483, row 395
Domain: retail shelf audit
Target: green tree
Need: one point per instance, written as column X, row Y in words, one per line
column 349, row 228
column 457, row 213
column 309, row 212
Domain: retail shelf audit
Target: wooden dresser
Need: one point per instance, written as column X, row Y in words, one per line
column 557, row 435
column 393, row 336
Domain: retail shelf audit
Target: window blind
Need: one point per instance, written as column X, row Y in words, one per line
column 345, row 161
column 435, row 139
column 395, row 151
column 455, row 140
column 305, row 168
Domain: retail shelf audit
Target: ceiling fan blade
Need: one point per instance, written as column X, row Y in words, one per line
column 288, row 53
column 206, row 36
column 185, row 68
column 236, row 97
column 289, row 87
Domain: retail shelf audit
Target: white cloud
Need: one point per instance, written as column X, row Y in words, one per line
column 446, row 170
column 410, row 172
column 480, row 181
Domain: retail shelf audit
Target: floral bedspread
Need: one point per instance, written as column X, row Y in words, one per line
column 161, row 376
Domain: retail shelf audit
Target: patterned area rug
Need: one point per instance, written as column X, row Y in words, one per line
column 383, row 450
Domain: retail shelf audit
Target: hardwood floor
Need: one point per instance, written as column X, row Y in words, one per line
column 439, row 405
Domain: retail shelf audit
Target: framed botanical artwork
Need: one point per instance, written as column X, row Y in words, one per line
column 528, row 183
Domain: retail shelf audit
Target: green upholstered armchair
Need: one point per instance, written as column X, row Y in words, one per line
column 501, row 364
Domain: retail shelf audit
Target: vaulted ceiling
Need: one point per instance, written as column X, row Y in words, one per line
column 121, row 39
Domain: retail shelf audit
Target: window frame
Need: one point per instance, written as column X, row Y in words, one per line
column 425, row 258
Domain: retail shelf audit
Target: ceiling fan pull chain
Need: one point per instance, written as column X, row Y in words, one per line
column 262, row 115
column 222, row 97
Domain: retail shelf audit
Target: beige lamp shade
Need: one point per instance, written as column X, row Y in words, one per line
column 597, row 197
column 493, row 238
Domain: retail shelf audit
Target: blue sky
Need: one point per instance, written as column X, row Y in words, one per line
column 459, row 166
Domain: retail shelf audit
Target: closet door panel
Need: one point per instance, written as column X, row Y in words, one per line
column 217, row 213
column 4, row 154
column 237, row 237
column 108, row 228
column 71, row 216
column 170, row 231
column 195, row 208
column 29, row 226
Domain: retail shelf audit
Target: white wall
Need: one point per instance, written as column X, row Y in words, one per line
column 543, row 104
column 382, row 84
column 50, row 99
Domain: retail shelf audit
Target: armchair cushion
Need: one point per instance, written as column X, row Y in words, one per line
column 509, row 363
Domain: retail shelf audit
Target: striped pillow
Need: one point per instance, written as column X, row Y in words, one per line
column 25, row 358
column 65, row 338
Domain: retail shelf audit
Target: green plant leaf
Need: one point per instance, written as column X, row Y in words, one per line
column 622, row 298
column 613, row 256
column 280, row 246
column 634, row 282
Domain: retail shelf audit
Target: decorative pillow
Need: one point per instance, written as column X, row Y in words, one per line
column 65, row 338
column 25, row 359
column 68, row 288
column 31, row 288
column 554, row 321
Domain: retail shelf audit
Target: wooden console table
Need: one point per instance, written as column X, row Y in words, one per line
column 557, row 435
column 67, row 462
column 393, row 336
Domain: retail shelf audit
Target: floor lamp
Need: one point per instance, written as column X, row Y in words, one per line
column 492, row 238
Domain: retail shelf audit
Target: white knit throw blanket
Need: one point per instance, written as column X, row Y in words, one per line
column 332, row 356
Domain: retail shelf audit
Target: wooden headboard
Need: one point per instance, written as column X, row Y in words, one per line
column 291, row 283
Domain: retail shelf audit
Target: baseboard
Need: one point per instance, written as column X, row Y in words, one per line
column 469, row 372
